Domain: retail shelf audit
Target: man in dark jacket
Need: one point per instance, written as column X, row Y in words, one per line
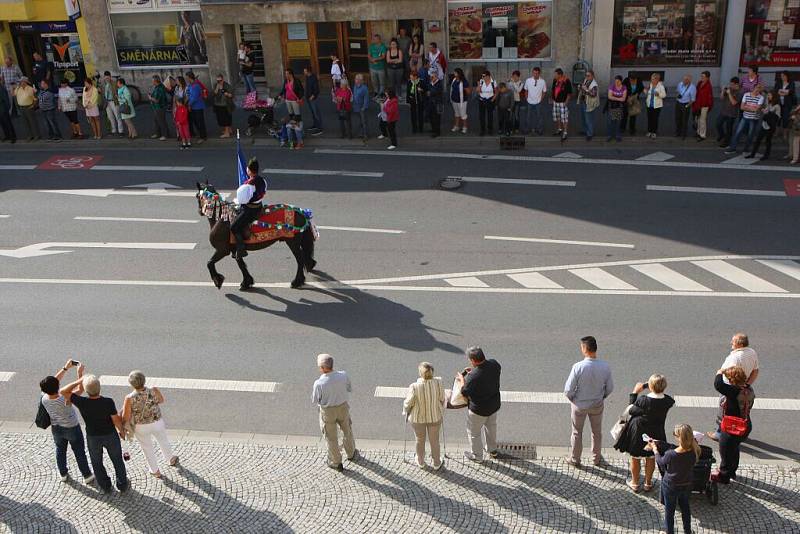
column 159, row 103
column 635, row 88
column 434, row 103
column 415, row 96
column 481, row 387
column 312, row 97
column 5, row 117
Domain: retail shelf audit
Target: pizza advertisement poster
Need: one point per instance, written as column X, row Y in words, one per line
column 465, row 27
column 534, row 20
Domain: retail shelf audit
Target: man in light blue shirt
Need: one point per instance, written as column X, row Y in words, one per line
column 687, row 93
column 588, row 385
column 331, row 392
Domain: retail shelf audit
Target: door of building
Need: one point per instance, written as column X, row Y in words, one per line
column 251, row 34
column 356, row 45
column 26, row 44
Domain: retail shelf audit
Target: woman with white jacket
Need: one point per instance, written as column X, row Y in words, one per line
column 654, row 101
column 423, row 407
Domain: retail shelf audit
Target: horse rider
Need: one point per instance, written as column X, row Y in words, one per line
column 248, row 198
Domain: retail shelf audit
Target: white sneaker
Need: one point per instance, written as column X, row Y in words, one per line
column 64, row 478
column 162, row 138
column 88, row 480
column 390, row 147
column 463, row 130
column 381, row 136
column 454, row 129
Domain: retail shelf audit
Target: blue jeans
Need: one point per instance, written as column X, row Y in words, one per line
column 672, row 498
column 614, row 127
column 52, row 124
column 63, row 435
column 111, row 444
column 316, row 117
column 533, row 119
column 744, row 124
column 587, row 120
column 249, row 82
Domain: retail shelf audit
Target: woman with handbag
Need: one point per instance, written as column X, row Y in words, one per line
column 90, row 99
column 648, row 414
column 223, row 106
column 735, row 405
column 588, row 101
column 654, row 100
column 423, row 407
column 633, row 107
column 126, row 110
column 617, row 99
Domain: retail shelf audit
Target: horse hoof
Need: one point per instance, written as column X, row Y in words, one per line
column 218, row 281
column 297, row 283
column 245, row 286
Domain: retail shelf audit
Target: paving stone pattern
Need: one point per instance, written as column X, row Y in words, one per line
column 242, row 487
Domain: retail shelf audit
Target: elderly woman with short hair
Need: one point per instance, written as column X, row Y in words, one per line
column 423, row 407
column 141, row 409
column 736, row 401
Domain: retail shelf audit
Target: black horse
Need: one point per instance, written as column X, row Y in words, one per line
column 212, row 206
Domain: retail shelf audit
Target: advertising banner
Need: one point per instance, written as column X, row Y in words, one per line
column 142, row 56
column 129, row 5
column 660, row 33
column 159, row 39
column 771, row 35
column 63, row 50
column 73, row 9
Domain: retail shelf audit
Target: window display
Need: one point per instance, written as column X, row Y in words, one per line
column 658, row 32
column 771, row 33
column 498, row 31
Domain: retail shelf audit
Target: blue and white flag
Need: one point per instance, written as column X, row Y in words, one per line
column 241, row 162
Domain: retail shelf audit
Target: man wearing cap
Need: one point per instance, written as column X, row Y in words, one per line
column 25, row 96
column 248, row 198
column 331, row 392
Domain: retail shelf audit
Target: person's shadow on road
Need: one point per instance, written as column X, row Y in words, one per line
column 354, row 314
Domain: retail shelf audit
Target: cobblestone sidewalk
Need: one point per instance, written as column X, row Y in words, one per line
column 253, row 486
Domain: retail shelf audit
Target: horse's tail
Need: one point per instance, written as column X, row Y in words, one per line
column 307, row 247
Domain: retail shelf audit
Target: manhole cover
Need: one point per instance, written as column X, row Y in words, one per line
column 522, row 451
column 451, row 182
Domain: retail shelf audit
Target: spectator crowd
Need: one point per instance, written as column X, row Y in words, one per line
column 640, row 432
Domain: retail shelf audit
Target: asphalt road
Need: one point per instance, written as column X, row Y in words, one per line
column 130, row 309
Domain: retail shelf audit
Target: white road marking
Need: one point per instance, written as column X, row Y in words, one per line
column 197, row 383
column 324, row 172
column 17, row 167
column 656, row 156
column 136, row 219
column 518, row 181
column 6, row 376
column 156, row 187
column 601, row 279
column 4, row 216
column 534, row 280
column 568, row 155
column 467, row 281
column 356, row 229
column 543, row 159
column 102, row 193
column 787, row 267
column 738, row 276
column 672, row 279
column 38, row 249
column 739, row 160
column 717, row 191
column 155, row 168
column 549, row 397
column 558, row 241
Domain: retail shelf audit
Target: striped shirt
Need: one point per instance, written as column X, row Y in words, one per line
column 60, row 413
column 752, row 105
column 424, row 401
column 67, row 99
column 11, row 76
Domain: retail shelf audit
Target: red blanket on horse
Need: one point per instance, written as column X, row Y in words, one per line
column 274, row 223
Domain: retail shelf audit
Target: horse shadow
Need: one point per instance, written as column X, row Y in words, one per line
column 352, row 313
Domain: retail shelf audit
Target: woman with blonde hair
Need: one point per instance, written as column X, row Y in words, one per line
column 676, row 483
column 736, row 401
column 142, row 409
column 648, row 415
column 423, row 406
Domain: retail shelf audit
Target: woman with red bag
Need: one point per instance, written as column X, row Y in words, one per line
column 390, row 114
column 735, row 405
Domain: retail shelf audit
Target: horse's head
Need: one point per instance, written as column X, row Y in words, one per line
column 205, row 194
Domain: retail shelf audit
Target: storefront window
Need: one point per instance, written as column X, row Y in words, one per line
column 499, row 31
column 771, row 33
column 657, row 32
column 154, row 33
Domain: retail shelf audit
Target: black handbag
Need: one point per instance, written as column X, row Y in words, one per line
column 42, row 417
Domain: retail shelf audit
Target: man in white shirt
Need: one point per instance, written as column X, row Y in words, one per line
column 536, row 88
column 743, row 356
column 331, row 392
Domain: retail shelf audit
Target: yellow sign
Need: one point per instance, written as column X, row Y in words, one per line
column 170, row 34
column 298, row 49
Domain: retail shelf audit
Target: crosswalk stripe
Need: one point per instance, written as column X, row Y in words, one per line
column 557, row 397
column 517, row 181
column 534, row 281
column 601, row 279
column 672, row 279
column 467, row 281
column 321, row 172
column 787, row 267
column 656, row 156
column 738, row 276
column 568, row 155
column 717, row 191
column 739, row 160
column 197, row 383
column 5, row 376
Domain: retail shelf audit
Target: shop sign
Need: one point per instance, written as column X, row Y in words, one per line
column 129, row 5
column 297, row 31
column 141, row 56
column 298, row 49
column 43, row 27
column 63, row 50
column 651, row 32
column 178, row 3
column 771, row 35
column 73, row 9
column 498, row 31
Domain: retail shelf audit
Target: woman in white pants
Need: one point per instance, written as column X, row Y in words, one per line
column 141, row 409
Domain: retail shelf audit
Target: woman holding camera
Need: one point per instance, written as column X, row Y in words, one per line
column 648, row 414
column 423, row 407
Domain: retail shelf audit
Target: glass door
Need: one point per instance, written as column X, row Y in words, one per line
column 356, row 48
column 326, row 45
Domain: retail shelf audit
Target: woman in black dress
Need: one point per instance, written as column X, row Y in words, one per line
column 647, row 416
column 737, row 400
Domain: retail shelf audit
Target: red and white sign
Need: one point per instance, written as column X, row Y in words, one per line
column 70, row 162
column 792, row 187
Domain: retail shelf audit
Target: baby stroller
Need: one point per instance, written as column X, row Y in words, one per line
column 264, row 114
column 702, row 482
